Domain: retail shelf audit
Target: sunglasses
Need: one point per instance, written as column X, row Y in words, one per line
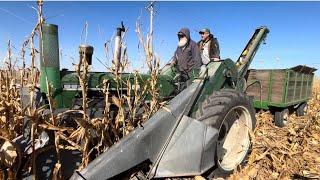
column 202, row 33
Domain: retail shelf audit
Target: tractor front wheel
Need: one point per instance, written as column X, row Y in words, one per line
column 232, row 113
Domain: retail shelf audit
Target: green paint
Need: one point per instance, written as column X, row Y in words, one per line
column 70, row 84
column 295, row 85
column 220, row 75
column 269, row 105
column 301, row 86
column 54, row 82
column 270, row 86
column 287, row 81
column 169, row 70
column 308, row 77
column 49, row 62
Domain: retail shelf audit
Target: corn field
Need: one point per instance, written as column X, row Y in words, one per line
column 277, row 153
column 89, row 136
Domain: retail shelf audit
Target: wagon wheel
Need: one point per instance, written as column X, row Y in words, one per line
column 302, row 109
column 281, row 117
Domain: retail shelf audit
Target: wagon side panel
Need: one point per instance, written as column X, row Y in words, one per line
column 309, row 90
column 292, row 76
column 277, row 85
column 263, row 77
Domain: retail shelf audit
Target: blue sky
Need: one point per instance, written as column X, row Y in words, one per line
column 294, row 36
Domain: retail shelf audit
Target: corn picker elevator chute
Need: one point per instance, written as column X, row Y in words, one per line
column 202, row 130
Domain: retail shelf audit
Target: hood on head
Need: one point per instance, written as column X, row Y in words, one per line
column 186, row 32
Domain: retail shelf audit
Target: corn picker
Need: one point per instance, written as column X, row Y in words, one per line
column 201, row 130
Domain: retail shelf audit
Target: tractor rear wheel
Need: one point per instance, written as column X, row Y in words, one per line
column 233, row 114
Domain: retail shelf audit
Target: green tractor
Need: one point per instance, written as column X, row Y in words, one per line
column 202, row 129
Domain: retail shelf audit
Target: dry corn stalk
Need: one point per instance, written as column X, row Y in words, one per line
column 152, row 61
column 288, row 152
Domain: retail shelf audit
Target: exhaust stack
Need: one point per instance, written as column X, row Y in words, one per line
column 117, row 47
column 49, row 62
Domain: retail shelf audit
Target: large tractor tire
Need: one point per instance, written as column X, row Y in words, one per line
column 233, row 114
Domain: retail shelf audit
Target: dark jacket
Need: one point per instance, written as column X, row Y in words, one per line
column 188, row 57
column 214, row 49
